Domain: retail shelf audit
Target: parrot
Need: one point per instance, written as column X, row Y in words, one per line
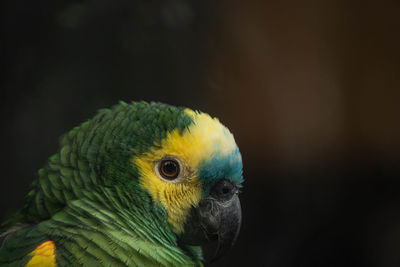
column 139, row 184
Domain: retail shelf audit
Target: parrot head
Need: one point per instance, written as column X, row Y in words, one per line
column 166, row 166
column 195, row 174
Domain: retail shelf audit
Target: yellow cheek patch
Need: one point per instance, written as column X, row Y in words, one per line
column 205, row 137
column 43, row 255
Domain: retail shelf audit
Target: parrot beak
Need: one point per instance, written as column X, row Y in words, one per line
column 216, row 218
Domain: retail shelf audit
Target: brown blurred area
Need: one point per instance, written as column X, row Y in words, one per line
column 309, row 85
column 312, row 96
column 310, row 90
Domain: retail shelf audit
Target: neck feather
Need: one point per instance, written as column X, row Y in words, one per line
column 127, row 232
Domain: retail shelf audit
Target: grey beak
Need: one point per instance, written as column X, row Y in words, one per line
column 217, row 218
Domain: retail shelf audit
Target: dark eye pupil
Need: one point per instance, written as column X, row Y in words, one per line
column 169, row 169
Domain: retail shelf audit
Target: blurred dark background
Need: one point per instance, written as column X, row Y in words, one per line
column 312, row 95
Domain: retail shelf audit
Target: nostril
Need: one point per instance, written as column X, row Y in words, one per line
column 225, row 190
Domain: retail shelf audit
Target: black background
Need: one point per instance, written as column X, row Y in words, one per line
column 310, row 92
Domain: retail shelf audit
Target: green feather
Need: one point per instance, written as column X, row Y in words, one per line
column 88, row 201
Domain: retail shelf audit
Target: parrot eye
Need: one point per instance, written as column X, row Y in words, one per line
column 169, row 169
